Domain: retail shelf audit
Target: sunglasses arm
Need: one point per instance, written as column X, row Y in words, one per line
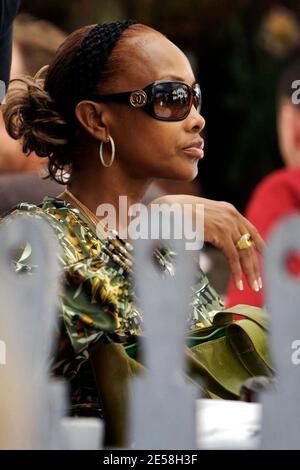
column 114, row 97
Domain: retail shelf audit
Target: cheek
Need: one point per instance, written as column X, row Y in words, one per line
column 164, row 142
column 153, row 136
column 141, row 139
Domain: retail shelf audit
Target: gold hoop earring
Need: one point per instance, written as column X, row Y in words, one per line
column 113, row 149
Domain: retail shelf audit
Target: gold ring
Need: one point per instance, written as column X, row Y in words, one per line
column 245, row 242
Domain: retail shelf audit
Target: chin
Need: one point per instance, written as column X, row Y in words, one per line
column 179, row 170
column 185, row 172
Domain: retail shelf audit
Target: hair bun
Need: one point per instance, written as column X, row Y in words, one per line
column 31, row 116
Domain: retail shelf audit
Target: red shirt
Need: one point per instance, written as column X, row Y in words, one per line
column 276, row 196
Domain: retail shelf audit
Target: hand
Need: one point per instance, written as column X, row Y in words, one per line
column 223, row 227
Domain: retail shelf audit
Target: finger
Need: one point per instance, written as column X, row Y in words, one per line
column 256, row 267
column 250, row 263
column 234, row 262
column 249, row 267
column 255, row 235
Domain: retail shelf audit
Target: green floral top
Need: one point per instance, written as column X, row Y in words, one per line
column 97, row 302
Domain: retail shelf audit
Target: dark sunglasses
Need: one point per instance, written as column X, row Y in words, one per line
column 166, row 100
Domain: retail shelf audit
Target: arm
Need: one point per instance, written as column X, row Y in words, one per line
column 223, row 226
column 8, row 11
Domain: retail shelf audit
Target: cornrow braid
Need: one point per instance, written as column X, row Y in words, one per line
column 89, row 61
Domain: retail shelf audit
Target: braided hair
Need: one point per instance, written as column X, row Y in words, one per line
column 41, row 111
column 88, row 63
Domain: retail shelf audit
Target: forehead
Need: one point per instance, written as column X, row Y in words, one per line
column 154, row 57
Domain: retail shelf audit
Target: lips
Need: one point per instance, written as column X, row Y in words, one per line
column 196, row 149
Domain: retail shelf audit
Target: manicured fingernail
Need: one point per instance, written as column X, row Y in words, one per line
column 240, row 285
column 256, row 286
column 260, row 283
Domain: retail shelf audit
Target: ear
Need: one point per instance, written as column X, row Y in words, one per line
column 93, row 118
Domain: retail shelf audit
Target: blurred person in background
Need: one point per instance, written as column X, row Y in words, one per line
column 278, row 194
column 8, row 10
column 34, row 44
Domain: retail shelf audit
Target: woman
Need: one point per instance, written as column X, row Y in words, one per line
column 111, row 143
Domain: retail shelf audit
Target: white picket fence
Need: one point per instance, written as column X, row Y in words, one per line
column 33, row 406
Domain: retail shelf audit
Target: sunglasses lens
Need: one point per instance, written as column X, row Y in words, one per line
column 171, row 100
column 197, row 100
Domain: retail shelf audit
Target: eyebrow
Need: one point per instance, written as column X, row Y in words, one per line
column 176, row 77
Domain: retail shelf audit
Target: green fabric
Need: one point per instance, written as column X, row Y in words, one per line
column 97, row 304
column 204, row 335
column 258, row 315
column 98, row 312
column 249, row 341
column 218, row 360
column 234, row 352
column 228, row 354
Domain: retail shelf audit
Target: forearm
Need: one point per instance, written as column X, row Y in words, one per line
column 220, row 224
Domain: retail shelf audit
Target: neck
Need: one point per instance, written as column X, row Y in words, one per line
column 105, row 187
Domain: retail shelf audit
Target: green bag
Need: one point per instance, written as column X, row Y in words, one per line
column 225, row 354
column 230, row 351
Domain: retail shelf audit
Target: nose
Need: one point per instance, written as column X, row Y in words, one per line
column 195, row 120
